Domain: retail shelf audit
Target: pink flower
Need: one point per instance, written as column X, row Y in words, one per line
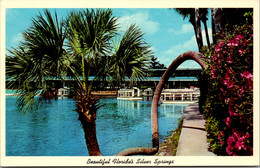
column 247, row 75
column 221, row 44
column 231, row 139
column 242, row 90
column 228, row 121
column 227, row 76
column 222, row 142
column 226, row 82
column 220, row 135
column 217, row 49
column 229, row 83
column 250, row 84
column 229, row 71
column 231, row 100
column 241, row 51
column 230, row 60
column 226, row 100
column 247, row 135
column 213, row 72
column 231, row 112
column 229, row 150
column 249, row 78
column 239, row 37
column 232, row 43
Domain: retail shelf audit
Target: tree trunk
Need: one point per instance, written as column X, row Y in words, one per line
column 206, row 31
column 86, row 108
column 138, row 151
column 198, row 29
column 91, row 138
column 217, row 23
column 171, row 69
column 194, row 20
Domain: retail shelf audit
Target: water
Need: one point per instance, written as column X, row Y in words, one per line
column 54, row 129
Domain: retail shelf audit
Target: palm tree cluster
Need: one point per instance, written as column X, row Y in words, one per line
column 220, row 18
column 83, row 42
column 195, row 16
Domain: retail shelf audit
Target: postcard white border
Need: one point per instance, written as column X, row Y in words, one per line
column 178, row 161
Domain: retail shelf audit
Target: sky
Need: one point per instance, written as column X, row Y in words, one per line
column 168, row 34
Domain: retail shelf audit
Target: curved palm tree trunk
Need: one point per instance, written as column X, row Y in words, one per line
column 154, row 109
column 138, row 151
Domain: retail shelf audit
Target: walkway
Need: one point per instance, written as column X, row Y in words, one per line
column 192, row 140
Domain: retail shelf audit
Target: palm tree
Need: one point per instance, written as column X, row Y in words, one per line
column 90, row 33
column 40, row 56
column 217, row 23
column 204, row 17
column 193, row 15
column 131, row 57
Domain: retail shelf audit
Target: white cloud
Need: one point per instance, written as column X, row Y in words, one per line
column 190, row 45
column 141, row 19
column 173, row 52
column 185, row 28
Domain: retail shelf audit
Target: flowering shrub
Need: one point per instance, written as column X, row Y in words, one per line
column 228, row 105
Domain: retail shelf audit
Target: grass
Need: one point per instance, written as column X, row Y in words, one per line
column 170, row 146
column 176, row 137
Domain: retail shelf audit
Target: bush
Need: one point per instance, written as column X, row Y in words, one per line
column 228, row 105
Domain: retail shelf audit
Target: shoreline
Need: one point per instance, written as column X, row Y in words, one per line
column 169, row 146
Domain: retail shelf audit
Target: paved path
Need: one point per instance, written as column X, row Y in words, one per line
column 192, row 140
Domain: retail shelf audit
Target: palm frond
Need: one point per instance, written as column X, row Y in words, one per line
column 40, row 55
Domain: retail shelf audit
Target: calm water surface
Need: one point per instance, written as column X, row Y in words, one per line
column 54, row 129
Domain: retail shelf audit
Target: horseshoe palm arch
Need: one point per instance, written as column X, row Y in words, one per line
column 189, row 55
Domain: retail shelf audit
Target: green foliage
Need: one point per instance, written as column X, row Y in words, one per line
column 89, row 33
column 40, row 55
column 131, row 57
column 155, row 64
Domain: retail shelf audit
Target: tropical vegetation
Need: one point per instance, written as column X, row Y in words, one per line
column 227, row 82
column 73, row 47
column 228, row 102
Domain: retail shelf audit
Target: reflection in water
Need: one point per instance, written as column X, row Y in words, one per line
column 54, row 129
